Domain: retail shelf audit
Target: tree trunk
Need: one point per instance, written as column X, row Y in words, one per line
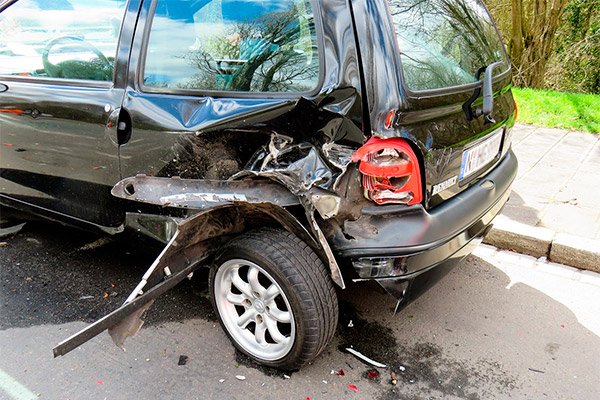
column 534, row 26
column 516, row 39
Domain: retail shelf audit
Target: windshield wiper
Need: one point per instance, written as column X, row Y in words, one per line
column 488, row 96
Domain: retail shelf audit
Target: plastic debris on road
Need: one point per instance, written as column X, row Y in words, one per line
column 341, row 373
column 240, row 377
column 182, row 360
column 353, row 388
column 372, row 374
column 536, row 370
column 402, row 368
column 365, row 358
column 350, row 324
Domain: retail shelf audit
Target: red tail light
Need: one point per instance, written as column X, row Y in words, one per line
column 390, row 171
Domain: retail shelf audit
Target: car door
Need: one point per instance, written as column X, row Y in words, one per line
column 60, row 103
column 210, row 81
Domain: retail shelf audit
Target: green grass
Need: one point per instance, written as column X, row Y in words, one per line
column 571, row 111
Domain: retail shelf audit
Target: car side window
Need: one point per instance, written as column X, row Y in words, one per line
column 65, row 39
column 232, row 45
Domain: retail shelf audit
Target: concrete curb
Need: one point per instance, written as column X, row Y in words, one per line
column 542, row 242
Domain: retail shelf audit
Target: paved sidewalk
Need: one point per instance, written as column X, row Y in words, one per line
column 554, row 209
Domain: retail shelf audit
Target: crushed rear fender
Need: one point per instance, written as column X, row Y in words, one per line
column 226, row 208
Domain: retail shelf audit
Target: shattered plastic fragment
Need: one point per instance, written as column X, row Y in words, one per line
column 402, row 368
column 100, row 383
column 286, row 376
column 11, row 230
column 240, row 377
column 86, row 297
column 182, row 360
column 350, row 324
column 365, row 358
column 352, row 387
column 221, row 380
column 372, row 374
column 341, row 373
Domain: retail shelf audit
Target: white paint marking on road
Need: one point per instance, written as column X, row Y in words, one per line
column 14, row 389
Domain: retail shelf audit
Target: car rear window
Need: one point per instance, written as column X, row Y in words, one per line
column 233, row 45
column 444, row 42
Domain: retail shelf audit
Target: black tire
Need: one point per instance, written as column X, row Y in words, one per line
column 305, row 287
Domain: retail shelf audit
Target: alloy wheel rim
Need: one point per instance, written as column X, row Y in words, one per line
column 254, row 309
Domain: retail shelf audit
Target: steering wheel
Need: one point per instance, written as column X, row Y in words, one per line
column 77, row 69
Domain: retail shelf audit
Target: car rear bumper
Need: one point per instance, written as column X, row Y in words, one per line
column 395, row 246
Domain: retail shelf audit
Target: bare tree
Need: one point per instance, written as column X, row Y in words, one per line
column 533, row 26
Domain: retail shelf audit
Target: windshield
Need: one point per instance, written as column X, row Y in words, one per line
column 444, row 42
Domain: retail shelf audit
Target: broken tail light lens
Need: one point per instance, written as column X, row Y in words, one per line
column 390, row 171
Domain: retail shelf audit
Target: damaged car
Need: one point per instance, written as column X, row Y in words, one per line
column 287, row 145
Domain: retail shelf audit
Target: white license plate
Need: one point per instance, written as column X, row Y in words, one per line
column 478, row 156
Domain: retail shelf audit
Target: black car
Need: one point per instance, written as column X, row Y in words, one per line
column 287, row 145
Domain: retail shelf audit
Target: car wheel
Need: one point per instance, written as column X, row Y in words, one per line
column 274, row 298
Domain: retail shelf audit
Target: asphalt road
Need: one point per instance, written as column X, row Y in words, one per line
column 499, row 326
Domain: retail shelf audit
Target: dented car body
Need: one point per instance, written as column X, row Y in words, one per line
column 375, row 135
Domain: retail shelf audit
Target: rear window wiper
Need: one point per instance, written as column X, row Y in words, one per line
column 488, row 96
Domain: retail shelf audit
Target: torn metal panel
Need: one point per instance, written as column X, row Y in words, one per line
column 158, row 227
column 130, row 326
column 192, row 243
column 334, row 268
column 297, row 166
